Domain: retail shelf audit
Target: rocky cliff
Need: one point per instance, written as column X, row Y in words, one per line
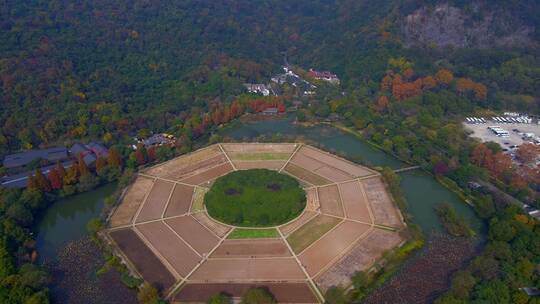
column 477, row 26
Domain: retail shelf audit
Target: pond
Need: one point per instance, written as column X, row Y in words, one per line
column 422, row 192
column 65, row 220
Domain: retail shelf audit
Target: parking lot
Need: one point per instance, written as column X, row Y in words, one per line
column 515, row 138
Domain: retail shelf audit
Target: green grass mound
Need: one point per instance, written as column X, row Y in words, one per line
column 255, row 198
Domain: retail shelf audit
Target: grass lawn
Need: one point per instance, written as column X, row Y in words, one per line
column 310, row 232
column 198, row 199
column 241, row 233
column 255, row 198
column 259, row 156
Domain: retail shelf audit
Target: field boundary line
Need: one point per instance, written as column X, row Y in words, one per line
column 192, row 199
column 157, row 253
column 219, row 237
column 166, row 179
column 309, row 279
column 294, row 176
column 227, row 156
column 168, row 200
column 309, row 220
column 204, row 171
column 290, row 157
column 340, row 158
column 368, row 202
column 343, row 253
column 179, row 156
column 312, row 172
column 342, row 220
column 181, row 238
column 290, row 257
column 345, row 213
column 175, row 287
column 143, row 203
column 330, row 166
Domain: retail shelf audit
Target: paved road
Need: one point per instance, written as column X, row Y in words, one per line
column 20, row 180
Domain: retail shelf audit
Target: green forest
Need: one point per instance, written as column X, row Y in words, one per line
column 109, row 70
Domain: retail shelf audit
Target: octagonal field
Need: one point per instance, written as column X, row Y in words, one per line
column 163, row 232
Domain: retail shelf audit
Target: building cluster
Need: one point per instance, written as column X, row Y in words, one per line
column 89, row 152
column 156, row 140
column 324, row 75
column 258, row 88
column 21, row 165
column 289, row 77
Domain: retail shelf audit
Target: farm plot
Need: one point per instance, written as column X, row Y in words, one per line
column 258, row 147
column 263, row 164
column 186, row 164
column 312, row 200
column 310, row 232
column 301, row 220
column 331, row 246
column 243, row 233
column 335, row 162
column 383, row 209
column 250, row 156
column 131, row 202
column 205, row 177
column 283, row 292
column 198, row 199
column 180, row 201
column 218, row 228
column 354, row 201
column 154, row 205
column 242, row 270
column 194, row 233
column 261, row 248
column 175, row 251
column 305, row 175
column 360, row 258
column 330, row 200
column 142, row 258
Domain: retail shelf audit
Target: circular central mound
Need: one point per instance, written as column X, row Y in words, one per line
column 255, row 198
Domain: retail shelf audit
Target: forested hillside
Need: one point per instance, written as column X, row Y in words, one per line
column 89, row 69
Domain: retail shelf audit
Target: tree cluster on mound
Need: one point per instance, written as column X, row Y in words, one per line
column 257, row 197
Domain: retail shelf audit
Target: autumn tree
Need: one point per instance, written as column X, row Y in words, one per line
column 141, row 155
column 444, row 77
column 55, row 179
column 386, row 83
column 82, row 166
column 428, row 83
column 31, row 183
column 382, row 104
column 61, row 170
column 101, row 163
column 481, row 155
column 528, row 153
column 501, row 163
column 42, row 182
column 114, row 159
